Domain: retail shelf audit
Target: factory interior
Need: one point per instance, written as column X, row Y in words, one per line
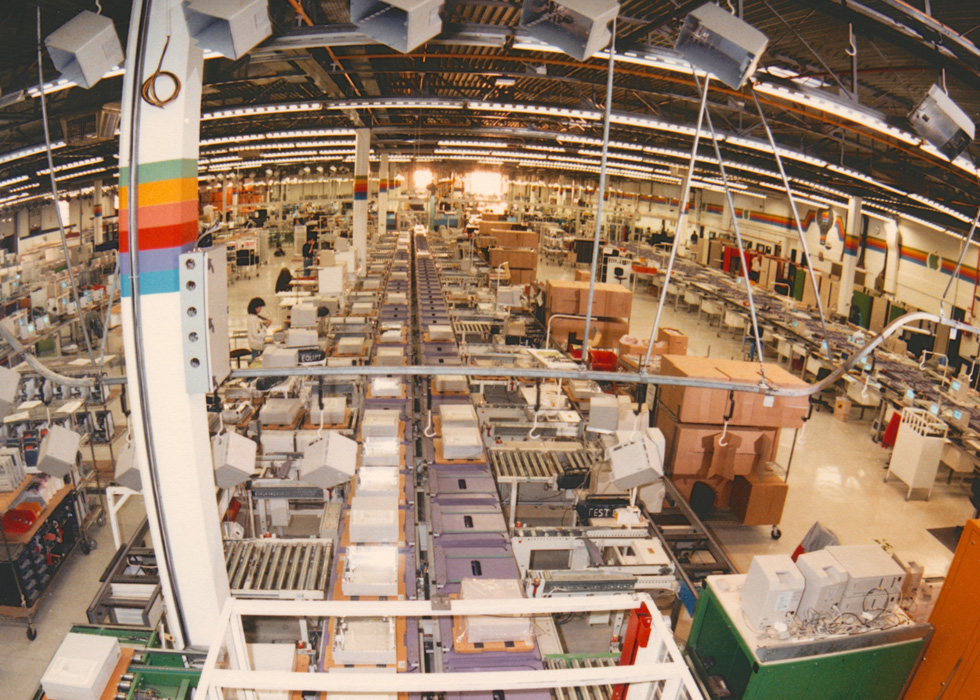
column 520, row 349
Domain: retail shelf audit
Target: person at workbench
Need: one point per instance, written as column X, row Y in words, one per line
column 256, row 326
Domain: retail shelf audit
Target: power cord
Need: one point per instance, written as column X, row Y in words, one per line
column 149, row 87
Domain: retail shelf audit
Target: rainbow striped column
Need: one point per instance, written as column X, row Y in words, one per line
column 362, row 168
column 169, row 425
column 167, row 197
column 383, row 194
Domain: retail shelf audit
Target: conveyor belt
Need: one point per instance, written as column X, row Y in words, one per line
column 537, row 465
column 267, row 568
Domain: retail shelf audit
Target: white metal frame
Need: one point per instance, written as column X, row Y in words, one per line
column 115, row 498
column 658, row 666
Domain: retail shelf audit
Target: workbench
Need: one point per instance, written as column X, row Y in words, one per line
column 729, row 656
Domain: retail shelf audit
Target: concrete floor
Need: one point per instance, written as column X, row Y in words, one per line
column 836, row 477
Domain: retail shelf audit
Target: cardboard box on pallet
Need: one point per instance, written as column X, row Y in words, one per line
column 700, row 405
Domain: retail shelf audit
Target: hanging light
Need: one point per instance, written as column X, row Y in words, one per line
column 941, row 122
column 85, row 49
column 721, row 44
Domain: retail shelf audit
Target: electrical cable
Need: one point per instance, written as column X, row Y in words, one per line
column 54, row 186
column 149, row 87
column 138, row 57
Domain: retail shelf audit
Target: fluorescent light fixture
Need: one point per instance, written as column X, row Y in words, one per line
column 396, row 103
column 29, row 151
column 81, row 173
column 12, row 181
column 252, row 110
column 297, row 134
column 70, row 166
column 830, row 104
column 475, row 144
column 545, row 110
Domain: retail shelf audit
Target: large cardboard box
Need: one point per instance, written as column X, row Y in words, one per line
column 487, row 227
column 698, row 405
column 517, row 258
column 608, row 332
column 609, row 299
column 675, row 339
column 695, row 450
column 522, row 276
column 758, row 498
column 514, row 238
column 561, row 297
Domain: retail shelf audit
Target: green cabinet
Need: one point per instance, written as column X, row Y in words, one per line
column 728, row 658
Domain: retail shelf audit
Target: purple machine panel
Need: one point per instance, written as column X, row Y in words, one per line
column 453, row 564
column 454, row 484
column 466, row 519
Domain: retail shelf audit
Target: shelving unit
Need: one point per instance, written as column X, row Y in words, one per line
column 30, row 561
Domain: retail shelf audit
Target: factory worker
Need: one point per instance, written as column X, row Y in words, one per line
column 256, row 326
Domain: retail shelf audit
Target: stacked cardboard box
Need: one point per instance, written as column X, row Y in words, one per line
column 517, row 249
column 693, row 421
column 517, row 258
column 513, row 238
column 758, row 498
column 605, row 334
column 488, row 226
column 609, row 300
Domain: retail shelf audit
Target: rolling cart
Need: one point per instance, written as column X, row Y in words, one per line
column 31, row 560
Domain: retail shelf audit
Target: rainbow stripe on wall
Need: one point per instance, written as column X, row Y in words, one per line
column 382, row 186
column 167, row 198
column 360, row 188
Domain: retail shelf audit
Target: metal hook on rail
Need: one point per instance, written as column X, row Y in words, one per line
column 851, row 49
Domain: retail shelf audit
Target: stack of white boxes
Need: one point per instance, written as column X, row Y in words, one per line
column 461, row 437
column 380, row 440
column 334, row 410
column 393, row 356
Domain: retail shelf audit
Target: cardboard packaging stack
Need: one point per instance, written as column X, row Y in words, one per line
column 693, row 421
column 522, row 262
column 611, row 307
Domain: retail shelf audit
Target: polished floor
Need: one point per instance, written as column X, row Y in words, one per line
column 836, row 478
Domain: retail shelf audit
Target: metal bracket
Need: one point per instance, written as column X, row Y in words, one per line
column 204, row 318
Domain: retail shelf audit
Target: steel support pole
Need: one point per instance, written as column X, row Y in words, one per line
column 601, row 194
column 681, row 230
column 362, row 146
column 158, row 197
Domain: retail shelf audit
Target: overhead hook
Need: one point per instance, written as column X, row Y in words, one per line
column 851, row 49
